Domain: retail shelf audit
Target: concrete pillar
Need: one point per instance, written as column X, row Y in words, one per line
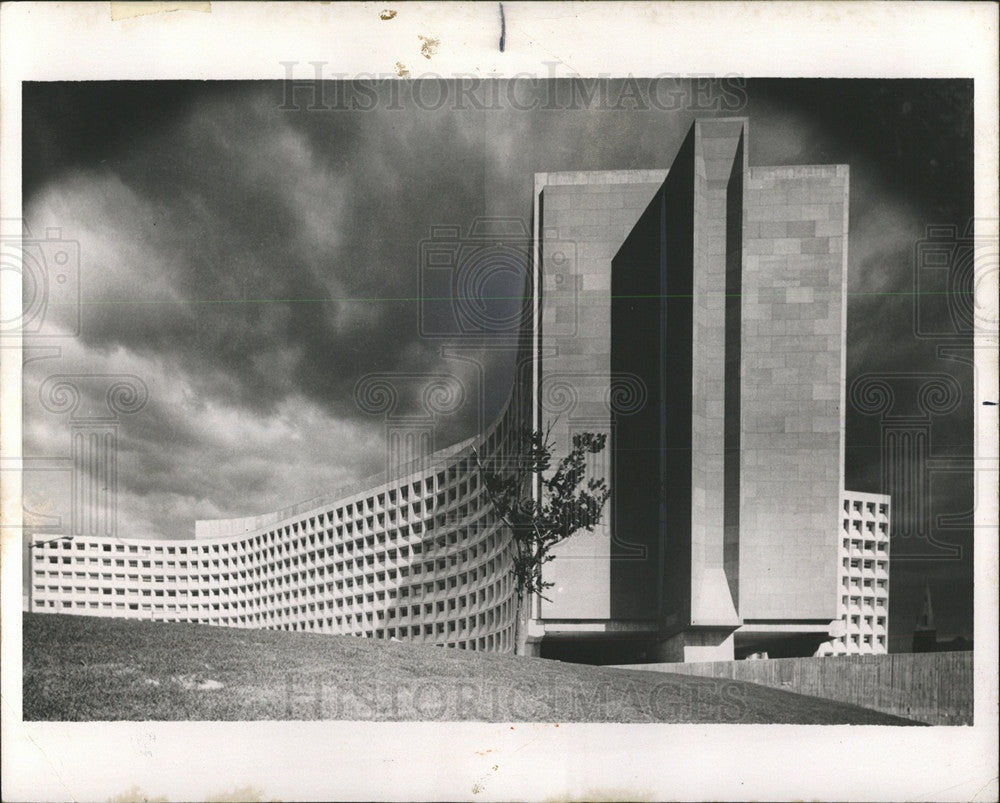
column 695, row 645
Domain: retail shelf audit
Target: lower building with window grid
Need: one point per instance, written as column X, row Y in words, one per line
column 864, row 576
column 418, row 557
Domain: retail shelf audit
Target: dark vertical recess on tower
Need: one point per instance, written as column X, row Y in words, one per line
column 636, row 469
column 651, row 320
column 732, row 398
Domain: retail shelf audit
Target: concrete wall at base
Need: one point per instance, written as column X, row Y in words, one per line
column 935, row 688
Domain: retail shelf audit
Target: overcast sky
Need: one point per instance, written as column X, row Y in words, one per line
column 250, row 263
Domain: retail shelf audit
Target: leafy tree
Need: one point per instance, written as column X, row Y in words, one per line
column 537, row 522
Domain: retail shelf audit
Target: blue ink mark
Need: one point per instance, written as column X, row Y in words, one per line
column 503, row 29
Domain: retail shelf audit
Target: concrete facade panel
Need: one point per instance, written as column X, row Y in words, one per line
column 795, row 487
column 594, row 211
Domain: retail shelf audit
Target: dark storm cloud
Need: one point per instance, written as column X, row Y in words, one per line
column 69, row 125
column 912, row 136
column 269, row 252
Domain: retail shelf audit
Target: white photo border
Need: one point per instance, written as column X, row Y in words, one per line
column 348, row 761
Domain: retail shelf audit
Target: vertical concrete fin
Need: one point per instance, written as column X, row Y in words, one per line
column 718, row 153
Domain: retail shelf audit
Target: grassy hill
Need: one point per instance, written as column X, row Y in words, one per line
column 86, row 668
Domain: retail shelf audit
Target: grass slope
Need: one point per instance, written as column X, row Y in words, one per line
column 87, row 668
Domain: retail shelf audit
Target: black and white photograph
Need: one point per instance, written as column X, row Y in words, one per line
column 550, row 403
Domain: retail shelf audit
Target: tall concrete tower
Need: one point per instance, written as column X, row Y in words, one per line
column 723, row 310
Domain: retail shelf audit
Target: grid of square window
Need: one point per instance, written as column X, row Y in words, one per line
column 863, row 593
column 418, row 558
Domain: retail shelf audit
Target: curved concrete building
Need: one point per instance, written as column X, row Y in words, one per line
column 697, row 317
column 418, row 556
